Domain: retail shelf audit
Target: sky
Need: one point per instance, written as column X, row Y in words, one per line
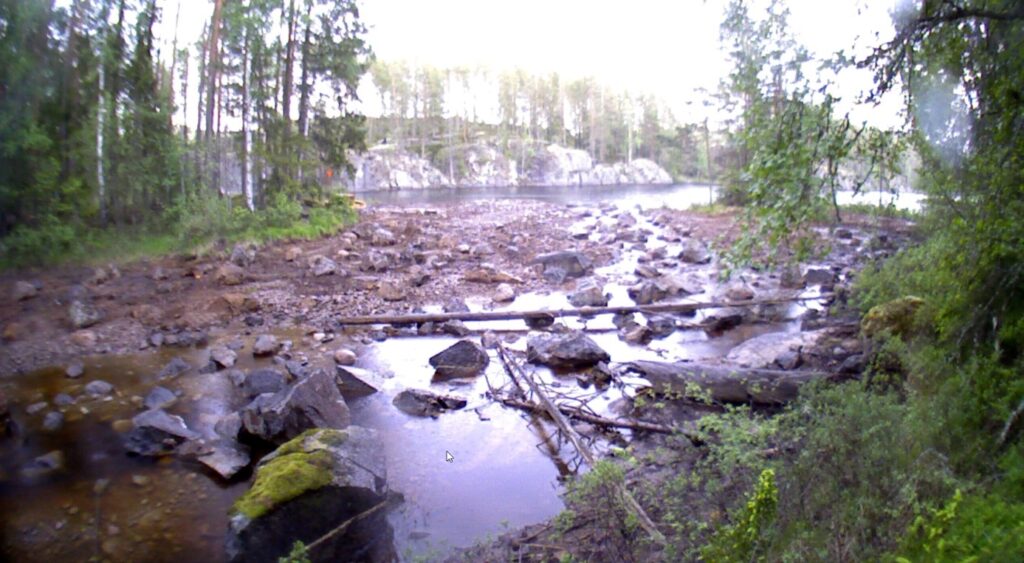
column 668, row 48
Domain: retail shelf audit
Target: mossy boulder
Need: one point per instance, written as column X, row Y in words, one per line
column 307, row 487
column 895, row 317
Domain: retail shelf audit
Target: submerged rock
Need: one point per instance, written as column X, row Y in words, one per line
column 223, row 356
column 571, row 350
column 174, row 368
column 158, row 398
column 263, row 380
column 44, row 465
column 311, row 402
column 226, row 459
column 99, row 388
column 308, row 487
column 462, row 359
column 156, row 433
column 418, row 402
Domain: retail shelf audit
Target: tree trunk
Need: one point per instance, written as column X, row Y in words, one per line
column 725, row 384
column 246, row 127
column 304, row 86
column 213, row 64
column 101, row 111
column 286, row 88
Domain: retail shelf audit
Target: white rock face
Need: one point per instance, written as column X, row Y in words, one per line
column 484, row 165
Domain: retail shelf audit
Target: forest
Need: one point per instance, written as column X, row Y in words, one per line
column 904, row 441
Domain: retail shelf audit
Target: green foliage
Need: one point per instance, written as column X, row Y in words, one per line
column 971, row 528
column 298, row 554
column 744, row 540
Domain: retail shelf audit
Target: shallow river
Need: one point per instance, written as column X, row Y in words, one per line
column 507, row 469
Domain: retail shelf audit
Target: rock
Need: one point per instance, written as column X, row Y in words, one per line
column 159, row 398
column 101, row 275
column 223, row 356
column 382, row 237
column 83, row 314
column 504, row 293
column 264, row 380
column 694, row 252
column 75, row 370
column 647, row 271
column 790, row 278
column 853, row 365
column 661, row 325
column 23, row 290
column 229, row 274
column 44, row 465
column 679, row 285
column 789, row 359
column 265, row 345
column 391, row 291
column 99, row 388
column 418, row 276
column 455, row 305
column 228, row 426
column 242, row 255
column 637, row 334
column 292, row 254
column 239, row 303
column 895, row 317
column 720, row 320
column 62, row 400
column 375, row 262
column 539, row 321
column 159, row 274
column 308, row 487
column 417, row 402
column 487, row 273
column 14, row 331
column 465, row 358
column 588, row 294
column 820, row 276
column 322, row 266
column 739, row 292
column 53, row 421
column 226, row 459
column 156, row 433
column 147, row 314
column 842, row 233
column 455, row 327
column 36, row 407
column 84, row 338
column 571, row 350
column 311, row 402
column 354, row 382
column 772, row 349
column 646, row 292
column 565, row 264
column 344, row 357
column 174, row 368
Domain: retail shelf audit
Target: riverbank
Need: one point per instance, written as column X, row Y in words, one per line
column 135, row 318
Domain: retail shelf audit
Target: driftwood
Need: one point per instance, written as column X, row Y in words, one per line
column 419, row 318
column 556, row 416
column 584, row 416
column 725, row 384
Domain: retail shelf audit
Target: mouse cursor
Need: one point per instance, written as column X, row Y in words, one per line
column 448, row 456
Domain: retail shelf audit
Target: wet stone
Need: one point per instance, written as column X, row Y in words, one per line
column 588, row 295
column 417, row 402
column 99, row 388
column 463, row 359
column 83, row 314
column 570, row 350
column 159, row 397
column 455, row 328
column 265, row 380
column 311, row 402
column 53, row 421
column 36, row 407
column 44, row 465
column 63, row 400
column 174, row 368
column 75, row 370
column 344, row 357
column 265, row 345
column 223, row 356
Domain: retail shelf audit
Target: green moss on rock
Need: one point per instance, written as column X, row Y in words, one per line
column 298, row 466
column 895, row 317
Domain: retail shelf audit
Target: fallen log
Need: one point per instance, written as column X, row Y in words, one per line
column 584, row 416
column 724, row 384
column 627, row 498
column 418, row 318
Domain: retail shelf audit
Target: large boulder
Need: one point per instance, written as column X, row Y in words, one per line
column 462, row 359
column 311, row 402
column 309, row 486
column 694, row 252
column 895, row 317
column 565, row 264
column 776, row 349
column 570, row 350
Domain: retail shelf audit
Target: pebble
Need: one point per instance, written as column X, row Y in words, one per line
column 75, row 370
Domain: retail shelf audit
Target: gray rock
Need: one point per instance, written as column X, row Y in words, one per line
column 661, row 325
column 354, row 382
column 773, row 349
column 226, row 459
column 265, row 345
column 558, row 266
column 322, row 266
column 418, row 402
column 53, row 421
column 391, row 291
column 264, row 526
column 455, row 328
column 694, row 252
column 36, row 407
column 311, row 402
column 789, row 359
column 242, row 255
column 646, row 292
column 83, row 314
column 570, row 350
column 229, row 274
column 223, row 356
column 63, row 400
column 75, row 370
column 23, row 290
column 228, row 426
column 174, row 368
column 156, row 433
column 465, row 358
column 44, row 465
column 99, row 388
column 720, row 320
column 504, row 293
column 820, row 276
column 159, row 398
column 739, row 292
column 588, row 295
column 455, row 305
column 265, row 380
column 637, row 334
column 853, row 365
column 344, row 357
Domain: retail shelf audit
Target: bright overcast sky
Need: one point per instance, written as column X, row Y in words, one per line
column 669, row 48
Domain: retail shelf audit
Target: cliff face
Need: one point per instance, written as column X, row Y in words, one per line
column 483, row 165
